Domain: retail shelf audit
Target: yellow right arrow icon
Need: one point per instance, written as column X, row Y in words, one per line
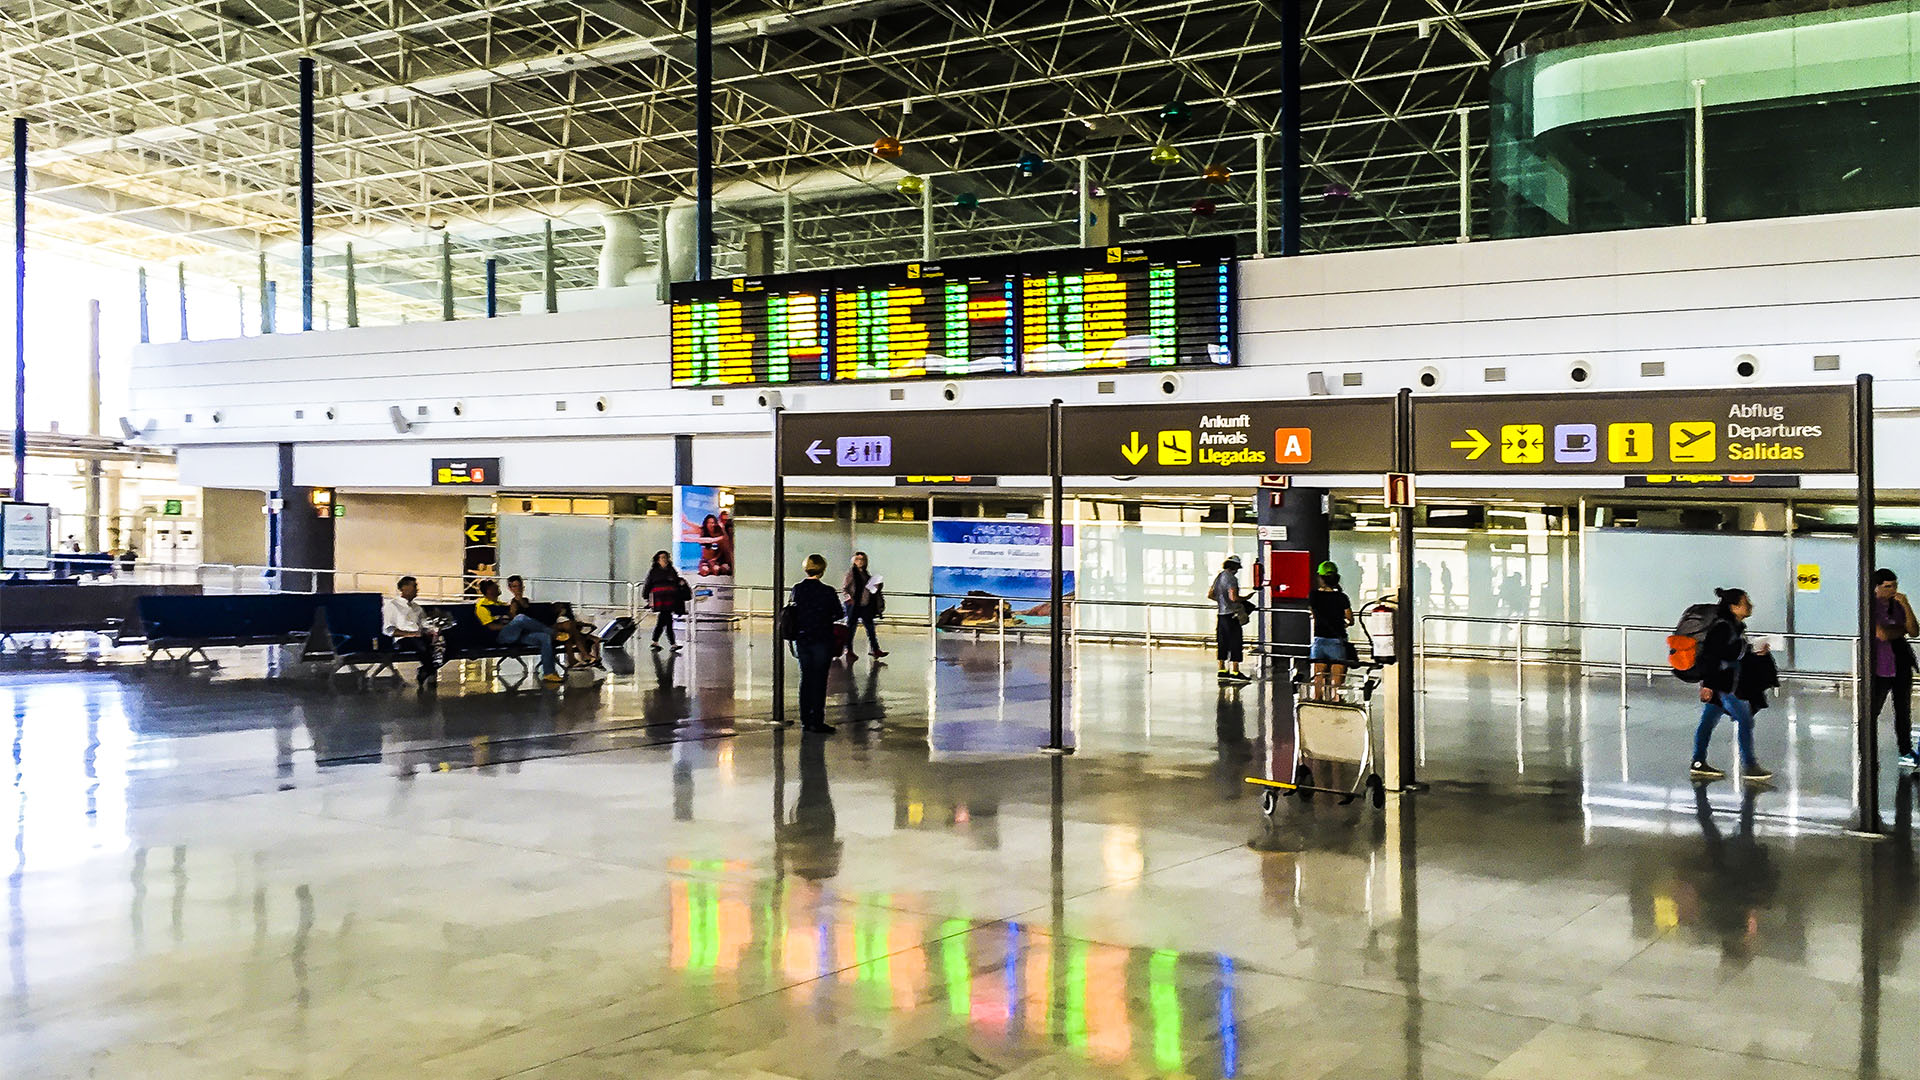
column 1474, row 444
column 1134, row 450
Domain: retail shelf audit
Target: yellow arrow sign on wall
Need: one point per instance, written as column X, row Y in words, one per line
column 1474, row 444
column 1134, row 450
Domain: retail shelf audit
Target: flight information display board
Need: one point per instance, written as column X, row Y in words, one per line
column 1141, row 306
column 947, row 318
column 750, row 330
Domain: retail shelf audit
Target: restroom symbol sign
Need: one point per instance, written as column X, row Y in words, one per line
column 864, row 452
column 1576, row 444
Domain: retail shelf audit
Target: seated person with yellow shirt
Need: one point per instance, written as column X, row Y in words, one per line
column 515, row 629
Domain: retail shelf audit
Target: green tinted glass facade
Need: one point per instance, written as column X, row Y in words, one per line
column 1803, row 114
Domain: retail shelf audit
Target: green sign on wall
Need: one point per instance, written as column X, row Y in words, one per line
column 172, row 508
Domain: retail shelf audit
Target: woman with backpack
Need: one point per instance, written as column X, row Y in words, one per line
column 666, row 593
column 1332, row 613
column 1718, row 657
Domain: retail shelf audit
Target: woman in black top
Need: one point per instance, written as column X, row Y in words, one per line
column 1332, row 614
column 662, row 593
column 816, row 608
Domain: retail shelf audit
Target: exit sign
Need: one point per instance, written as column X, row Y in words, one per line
column 173, row 508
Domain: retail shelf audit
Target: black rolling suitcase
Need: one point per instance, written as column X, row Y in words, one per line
column 617, row 632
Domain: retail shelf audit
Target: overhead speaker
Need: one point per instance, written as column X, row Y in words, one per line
column 1430, row 378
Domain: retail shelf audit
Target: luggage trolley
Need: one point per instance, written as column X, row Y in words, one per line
column 1333, row 729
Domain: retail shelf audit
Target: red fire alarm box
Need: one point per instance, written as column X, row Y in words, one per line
column 1291, row 575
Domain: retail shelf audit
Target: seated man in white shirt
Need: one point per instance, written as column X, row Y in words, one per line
column 404, row 621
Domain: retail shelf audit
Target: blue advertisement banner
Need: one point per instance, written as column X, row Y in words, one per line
column 986, row 571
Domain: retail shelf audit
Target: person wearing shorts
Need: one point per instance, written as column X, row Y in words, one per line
column 1332, row 612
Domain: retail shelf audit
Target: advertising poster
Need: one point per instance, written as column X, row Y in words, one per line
column 703, row 547
column 28, row 536
column 982, row 567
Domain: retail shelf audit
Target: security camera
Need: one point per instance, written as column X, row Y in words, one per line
column 332, row 413
column 1580, row 372
column 600, row 404
column 218, row 416
column 401, row 425
column 459, row 408
column 1430, row 378
column 1746, row 365
column 769, row 399
column 1169, row 384
column 950, row 392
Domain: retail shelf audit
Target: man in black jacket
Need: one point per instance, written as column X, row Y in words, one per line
column 816, row 608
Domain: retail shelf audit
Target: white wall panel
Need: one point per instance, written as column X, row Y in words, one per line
column 1693, row 298
column 256, row 467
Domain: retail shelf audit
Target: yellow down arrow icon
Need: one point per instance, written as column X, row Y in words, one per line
column 1474, row 444
column 1134, row 450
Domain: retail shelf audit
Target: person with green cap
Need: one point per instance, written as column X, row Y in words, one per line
column 1230, row 604
column 1332, row 613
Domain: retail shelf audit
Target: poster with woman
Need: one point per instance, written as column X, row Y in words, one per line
column 703, row 547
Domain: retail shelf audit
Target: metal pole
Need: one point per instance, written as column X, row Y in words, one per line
column 779, row 565
column 1290, row 38
column 353, row 292
column 1699, row 151
column 1466, row 185
column 182, row 289
column 788, row 262
column 703, row 138
column 1260, row 226
column 446, row 278
column 146, row 332
column 493, row 288
column 1057, row 622
column 1085, row 197
column 266, row 301
column 306, row 193
column 926, row 219
column 240, row 294
column 1403, row 613
column 94, row 468
column 1865, row 729
column 270, row 309
column 19, row 308
column 550, row 274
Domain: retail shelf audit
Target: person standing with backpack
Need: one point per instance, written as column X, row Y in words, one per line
column 1893, row 662
column 1231, row 606
column 1708, row 647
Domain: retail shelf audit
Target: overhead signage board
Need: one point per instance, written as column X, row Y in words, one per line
column 26, row 536
column 1229, row 439
column 947, row 319
column 949, row 442
column 1789, row 430
column 1135, row 306
column 466, row 472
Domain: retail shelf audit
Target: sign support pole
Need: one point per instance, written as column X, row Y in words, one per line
column 1057, row 622
column 1403, row 613
column 779, row 566
column 1866, row 731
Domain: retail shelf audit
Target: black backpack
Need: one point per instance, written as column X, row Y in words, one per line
column 1689, row 636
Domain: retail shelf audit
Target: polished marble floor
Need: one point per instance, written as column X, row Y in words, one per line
column 243, row 873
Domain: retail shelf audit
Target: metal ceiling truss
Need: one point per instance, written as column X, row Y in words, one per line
column 165, row 129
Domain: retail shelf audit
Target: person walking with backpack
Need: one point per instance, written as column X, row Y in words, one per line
column 1231, row 607
column 1893, row 662
column 810, row 622
column 861, row 590
column 665, row 591
column 1709, row 647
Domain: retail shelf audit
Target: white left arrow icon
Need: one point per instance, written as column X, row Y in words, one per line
column 816, row 452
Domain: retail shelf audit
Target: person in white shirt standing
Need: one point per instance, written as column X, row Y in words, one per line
column 405, row 622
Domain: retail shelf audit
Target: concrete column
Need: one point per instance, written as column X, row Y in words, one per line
column 759, row 252
column 302, row 537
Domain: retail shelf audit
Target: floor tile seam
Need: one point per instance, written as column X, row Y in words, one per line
column 784, row 988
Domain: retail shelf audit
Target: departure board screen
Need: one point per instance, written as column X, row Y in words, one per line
column 1140, row 306
column 750, row 330
column 1135, row 307
column 943, row 319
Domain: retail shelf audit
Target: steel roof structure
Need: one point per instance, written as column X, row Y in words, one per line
column 166, row 129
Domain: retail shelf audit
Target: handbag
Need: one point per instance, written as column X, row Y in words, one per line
column 790, row 622
column 879, row 603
